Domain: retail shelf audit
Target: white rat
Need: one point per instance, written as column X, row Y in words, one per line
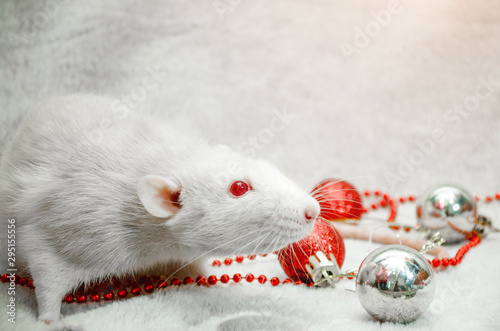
column 97, row 192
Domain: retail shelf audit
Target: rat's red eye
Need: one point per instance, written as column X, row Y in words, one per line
column 239, row 188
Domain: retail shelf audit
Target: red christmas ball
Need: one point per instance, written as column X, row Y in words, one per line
column 295, row 256
column 338, row 200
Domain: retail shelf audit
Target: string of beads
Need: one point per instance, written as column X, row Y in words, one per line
column 120, row 289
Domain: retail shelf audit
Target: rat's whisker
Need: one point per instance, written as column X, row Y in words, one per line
column 209, row 251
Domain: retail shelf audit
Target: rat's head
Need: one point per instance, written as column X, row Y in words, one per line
column 229, row 204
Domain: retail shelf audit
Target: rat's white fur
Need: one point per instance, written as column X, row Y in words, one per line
column 70, row 176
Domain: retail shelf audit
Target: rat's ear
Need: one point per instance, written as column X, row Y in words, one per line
column 159, row 195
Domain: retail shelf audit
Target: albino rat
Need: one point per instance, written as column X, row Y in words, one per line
column 97, row 192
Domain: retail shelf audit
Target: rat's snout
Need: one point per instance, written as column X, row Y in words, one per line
column 311, row 212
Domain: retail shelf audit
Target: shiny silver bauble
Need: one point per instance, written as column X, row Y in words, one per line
column 449, row 210
column 395, row 283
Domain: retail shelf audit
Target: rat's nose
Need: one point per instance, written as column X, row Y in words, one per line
column 310, row 213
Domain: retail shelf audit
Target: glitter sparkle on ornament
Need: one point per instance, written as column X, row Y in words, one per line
column 338, row 200
column 295, row 256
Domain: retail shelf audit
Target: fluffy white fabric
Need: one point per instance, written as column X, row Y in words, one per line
column 381, row 110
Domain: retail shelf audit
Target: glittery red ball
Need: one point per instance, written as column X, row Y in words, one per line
column 324, row 237
column 338, row 200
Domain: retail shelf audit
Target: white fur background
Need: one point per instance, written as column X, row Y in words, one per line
column 370, row 115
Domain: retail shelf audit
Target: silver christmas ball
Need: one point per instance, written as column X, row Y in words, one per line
column 449, row 209
column 395, row 284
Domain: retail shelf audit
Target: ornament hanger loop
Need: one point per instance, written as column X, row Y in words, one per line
column 484, row 226
column 330, row 278
column 432, row 243
column 373, row 231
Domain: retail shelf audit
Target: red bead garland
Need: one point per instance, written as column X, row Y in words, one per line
column 386, row 202
column 150, row 284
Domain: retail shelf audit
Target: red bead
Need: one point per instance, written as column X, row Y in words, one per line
column 497, row 196
column 263, row 255
column 476, row 198
column 239, row 258
column 224, row 279
column 136, row 290
column 30, row 283
column 216, row 263
column 407, row 229
column 228, row 261
column 287, row 281
column 148, row 287
column 122, row 293
column 81, row 298
column 394, row 227
column 275, row 281
column 436, row 263
column 262, row 279
column 251, row 257
column 374, row 206
column 237, row 278
column 187, row 280
column 108, row 295
column 95, row 297
column 383, row 202
column 299, row 282
column 453, row 261
column 200, row 280
column 163, row 284
column 386, row 197
column 5, row 278
column 489, row 199
column 445, row 262
column 175, row 281
column 411, row 198
column 250, row 278
column 402, row 200
column 68, row 298
column 23, row 280
column 212, row 280
column 377, row 192
column 17, row 279
column 367, row 192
